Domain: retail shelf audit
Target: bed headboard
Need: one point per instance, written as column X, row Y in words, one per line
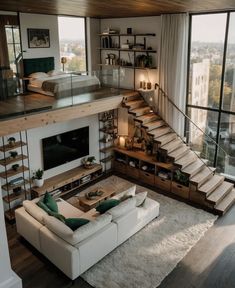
column 38, row 65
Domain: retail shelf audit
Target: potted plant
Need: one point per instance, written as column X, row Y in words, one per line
column 181, row 178
column 38, row 178
column 88, row 162
column 11, row 141
column 15, row 167
column 13, row 154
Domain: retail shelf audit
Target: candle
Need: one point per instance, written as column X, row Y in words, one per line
column 122, row 141
column 149, row 85
column 141, row 84
column 144, row 85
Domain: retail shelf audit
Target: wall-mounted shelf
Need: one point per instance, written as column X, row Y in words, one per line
column 10, row 160
column 12, row 197
column 16, row 189
column 127, row 67
column 8, row 147
column 115, row 61
column 10, row 173
column 131, row 35
column 108, row 130
column 129, row 50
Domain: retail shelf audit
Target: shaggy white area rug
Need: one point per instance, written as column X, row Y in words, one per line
column 149, row 256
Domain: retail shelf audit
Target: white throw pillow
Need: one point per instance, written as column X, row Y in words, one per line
column 38, row 75
column 129, row 192
column 122, row 208
column 140, row 198
column 55, row 73
column 36, row 212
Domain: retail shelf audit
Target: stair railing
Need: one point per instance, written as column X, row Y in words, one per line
column 161, row 93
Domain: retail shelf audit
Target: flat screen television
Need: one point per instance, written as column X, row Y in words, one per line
column 65, row 147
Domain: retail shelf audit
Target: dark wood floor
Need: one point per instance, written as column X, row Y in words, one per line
column 209, row 264
column 35, row 102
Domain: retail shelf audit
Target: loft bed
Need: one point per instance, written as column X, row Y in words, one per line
column 44, row 79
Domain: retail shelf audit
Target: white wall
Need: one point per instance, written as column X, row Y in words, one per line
column 138, row 25
column 45, row 22
column 8, row 279
column 35, row 148
column 93, row 41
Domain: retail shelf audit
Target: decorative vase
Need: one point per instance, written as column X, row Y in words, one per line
column 38, row 182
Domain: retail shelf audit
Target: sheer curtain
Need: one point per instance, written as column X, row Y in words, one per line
column 173, row 67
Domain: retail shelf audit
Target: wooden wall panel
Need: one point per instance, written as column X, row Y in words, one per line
column 55, row 116
column 115, row 8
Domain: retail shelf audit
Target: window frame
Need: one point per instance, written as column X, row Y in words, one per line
column 220, row 109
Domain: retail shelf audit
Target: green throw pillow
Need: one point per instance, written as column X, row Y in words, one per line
column 106, row 205
column 58, row 216
column 75, row 223
column 50, row 202
column 43, row 206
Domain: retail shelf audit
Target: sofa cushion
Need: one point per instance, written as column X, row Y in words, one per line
column 68, row 210
column 106, row 205
column 128, row 192
column 74, row 237
column 140, row 198
column 123, row 208
column 50, row 202
column 36, row 212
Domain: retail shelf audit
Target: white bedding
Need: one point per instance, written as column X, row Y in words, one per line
column 77, row 81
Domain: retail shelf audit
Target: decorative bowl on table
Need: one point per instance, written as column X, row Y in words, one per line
column 93, row 194
column 88, row 162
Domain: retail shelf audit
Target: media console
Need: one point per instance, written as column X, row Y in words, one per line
column 68, row 181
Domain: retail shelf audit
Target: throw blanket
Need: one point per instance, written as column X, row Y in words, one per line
column 53, row 85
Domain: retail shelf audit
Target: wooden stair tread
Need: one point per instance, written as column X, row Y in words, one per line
column 166, row 138
column 131, row 95
column 135, row 103
column 226, row 203
column 194, row 168
column 179, row 152
column 140, row 111
column 186, row 160
column 171, row 146
column 156, row 133
column 147, row 118
column 220, row 192
column 202, row 175
column 154, row 124
column 211, row 185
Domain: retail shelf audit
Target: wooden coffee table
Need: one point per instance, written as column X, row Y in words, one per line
column 89, row 204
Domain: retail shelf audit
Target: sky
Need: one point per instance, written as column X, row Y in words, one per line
column 71, row 28
column 211, row 27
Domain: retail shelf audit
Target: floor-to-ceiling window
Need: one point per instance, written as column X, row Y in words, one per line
column 211, row 88
column 72, row 43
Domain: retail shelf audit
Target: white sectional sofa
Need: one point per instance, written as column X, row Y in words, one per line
column 73, row 252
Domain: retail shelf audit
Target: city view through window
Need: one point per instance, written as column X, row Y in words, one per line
column 72, row 43
column 211, row 93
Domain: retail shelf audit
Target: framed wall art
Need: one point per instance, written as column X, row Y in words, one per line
column 38, row 38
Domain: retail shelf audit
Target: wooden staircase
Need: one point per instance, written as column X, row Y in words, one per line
column 206, row 188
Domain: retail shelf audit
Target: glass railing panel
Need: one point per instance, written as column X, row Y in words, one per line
column 64, row 90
